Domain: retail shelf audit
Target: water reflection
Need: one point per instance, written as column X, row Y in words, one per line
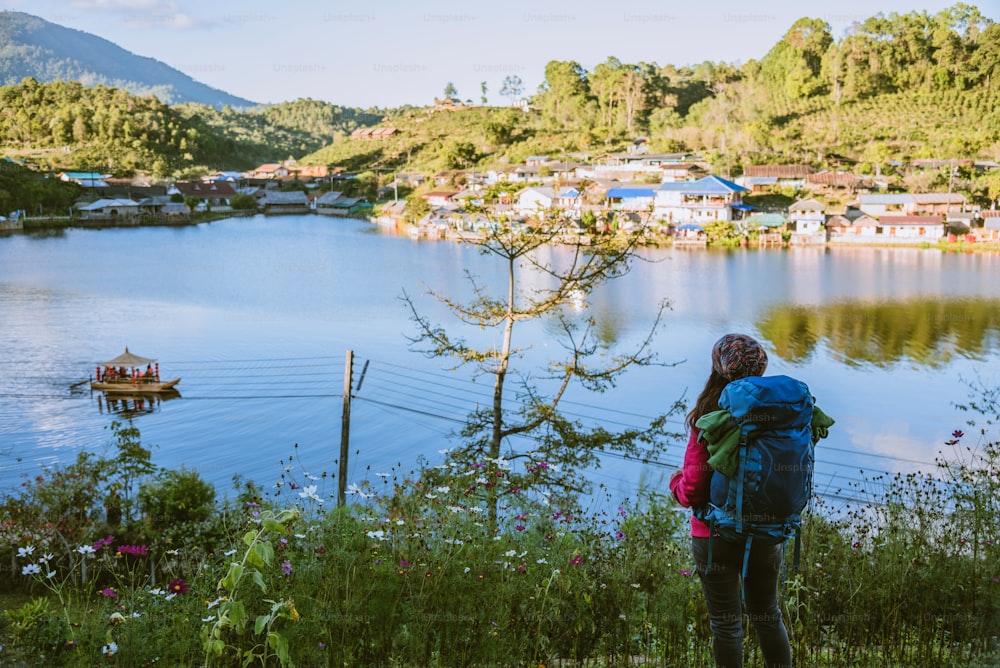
column 133, row 405
column 928, row 332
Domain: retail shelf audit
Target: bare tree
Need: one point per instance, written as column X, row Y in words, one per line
column 535, row 446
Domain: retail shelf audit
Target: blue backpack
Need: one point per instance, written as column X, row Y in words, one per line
column 764, row 500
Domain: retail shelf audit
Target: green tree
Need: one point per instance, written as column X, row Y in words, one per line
column 450, row 91
column 192, row 203
column 563, row 95
column 459, row 154
column 793, row 66
column 242, row 202
column 550, row 450
column 482, row 90
column 512, row 87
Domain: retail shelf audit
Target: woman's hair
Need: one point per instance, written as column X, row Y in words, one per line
column 708, row 400
column 734, row 356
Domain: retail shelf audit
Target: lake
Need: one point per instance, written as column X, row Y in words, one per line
column 256, row 315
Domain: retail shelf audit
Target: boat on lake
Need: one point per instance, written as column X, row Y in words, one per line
column 131, row 374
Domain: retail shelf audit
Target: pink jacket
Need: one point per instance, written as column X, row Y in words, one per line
column 691, row 485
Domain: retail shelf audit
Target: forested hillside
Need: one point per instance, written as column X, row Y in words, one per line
column 896, row 88
column 71, row 126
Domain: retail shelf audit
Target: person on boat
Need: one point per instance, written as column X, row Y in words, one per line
column 149, row 372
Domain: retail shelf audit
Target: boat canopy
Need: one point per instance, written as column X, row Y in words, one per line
column 128, row 359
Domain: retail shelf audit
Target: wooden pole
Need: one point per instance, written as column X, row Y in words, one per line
column 345, row 431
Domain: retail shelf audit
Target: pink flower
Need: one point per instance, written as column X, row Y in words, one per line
column 286, row 567
column 575, row 561
column 103, row 542
column 178, row 586
column 134, row 550
column 519, row 527
column 109, row 592
column 685, row 572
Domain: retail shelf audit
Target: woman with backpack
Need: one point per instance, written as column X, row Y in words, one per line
column 720, row 563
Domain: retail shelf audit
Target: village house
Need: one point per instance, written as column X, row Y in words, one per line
column 335, row 203
column 771, row 177
column 711, row 198
column 309, row 172
column 806, row 216
column 269, row 171
column 831, row 183
column 214, row 194
column 537, row 199
column 911, row 228
column 85, row 179
column 630, row 198
column 441, row 198
column 910, row 204
column 990, row 231
column 278, row 202
column 109, row 208
column 635, row 166
column 846, row 227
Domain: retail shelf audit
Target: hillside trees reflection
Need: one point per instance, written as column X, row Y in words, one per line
column 923, row 331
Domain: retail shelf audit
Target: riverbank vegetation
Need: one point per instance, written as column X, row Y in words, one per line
column 114, row 561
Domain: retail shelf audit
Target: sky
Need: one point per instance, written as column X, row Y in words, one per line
column 394, row 52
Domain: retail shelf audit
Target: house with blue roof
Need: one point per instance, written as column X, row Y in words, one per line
column 711, row 198
column 630, row 198
column 85, row 179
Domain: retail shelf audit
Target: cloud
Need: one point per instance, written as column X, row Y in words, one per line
column 145, row 14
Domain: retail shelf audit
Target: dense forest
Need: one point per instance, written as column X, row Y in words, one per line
column 67, row 125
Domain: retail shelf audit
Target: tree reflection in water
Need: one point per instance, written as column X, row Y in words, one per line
column 927, row 332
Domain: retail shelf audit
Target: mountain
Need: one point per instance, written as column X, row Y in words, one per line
column 33, row 47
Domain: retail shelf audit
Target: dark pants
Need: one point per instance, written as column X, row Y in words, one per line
column 720, row 583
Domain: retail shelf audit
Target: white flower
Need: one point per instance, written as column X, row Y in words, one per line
column 636, row 585
column 309, row 492
column 352, row 489
column 467, row 569
column 299, row 535
column 215, row 603
column 541, row 561
column 430, row 496
column 379, row 535
column 50, row 575
column 45, row 557
column 444, row 451
column 510, row 553
column 110, row 649
column 25, row 551
column 477, row 509
column 31, row 569
column 156, row 592
column 170, row 596
column 210, row 618
column 311, row 477
column 384, row 475
column 85, row 549
column 456, row 509
column 444, row 489
column 400, row 523
column 229, row 553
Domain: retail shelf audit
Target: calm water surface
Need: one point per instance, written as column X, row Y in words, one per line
column 256, row 316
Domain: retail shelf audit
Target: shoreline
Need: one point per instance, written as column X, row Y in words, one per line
column 54, row 224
